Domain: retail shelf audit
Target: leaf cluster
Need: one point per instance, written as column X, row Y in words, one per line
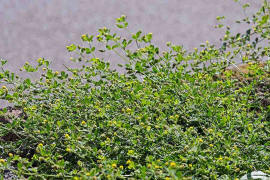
column 174, row 114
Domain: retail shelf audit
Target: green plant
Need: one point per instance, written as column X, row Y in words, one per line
column 171, row 115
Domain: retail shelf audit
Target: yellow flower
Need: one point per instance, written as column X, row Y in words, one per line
column 149, row 165
column 210, row 130
column 79, row 163
column 2, row 160
column 44, row 69
column 83, row 123
column 167, row 178
column 166, row 163
column 40, row 145
column 128, row 110
column 220, row 158
column 84, row 37
column 130, row 152
column 129, row 161
column 156, row 166
column 10, row 154
column 4, row 87
column 184, row 159
column 211, row 145
column 66, row 136
column 121, row 167
column 172, row 164
column 200, row 140
column 68, row 149
column 114, row 165
column 190, row 165
column 39, row 59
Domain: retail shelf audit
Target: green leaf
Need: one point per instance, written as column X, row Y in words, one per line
column 120, row 26
column 87, row 51
column 115, row 46
column 84, row 37
column 220, row 18
column 29, row 68
column 27, row 82
column 149, row 37
column 139, row 67
column 4, row 110
column 108, row 47
column 125, row 24
column 71, row 48
column 102, row 50
column 3, row 62
column 50, row 74
column 245, row 5
column 220, row 25
column 264, row 19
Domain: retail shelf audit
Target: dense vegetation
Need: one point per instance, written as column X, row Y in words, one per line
column 171, row 115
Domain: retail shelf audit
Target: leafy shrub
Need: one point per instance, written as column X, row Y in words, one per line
column 171, row 115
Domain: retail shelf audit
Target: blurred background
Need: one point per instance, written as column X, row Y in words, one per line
column 31, row 29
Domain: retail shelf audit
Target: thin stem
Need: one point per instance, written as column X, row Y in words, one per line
column 124, row 58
